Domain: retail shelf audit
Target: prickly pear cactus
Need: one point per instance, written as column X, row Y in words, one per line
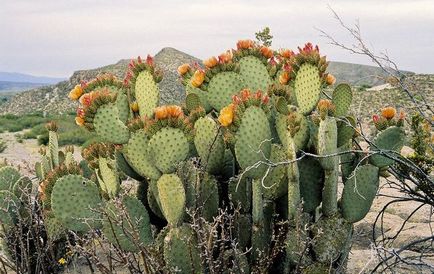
column 254, row 133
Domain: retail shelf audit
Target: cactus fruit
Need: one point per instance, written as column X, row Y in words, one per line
column 248, row 135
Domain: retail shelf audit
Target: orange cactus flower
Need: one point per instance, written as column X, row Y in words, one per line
column 161, row 112
column 236, row 100
column 76, row 93
column 211, row 62
column 284, row 78
column 79, row 121
column 183, row 69
column 330, row 79
column 266, row 52
column 401, row 115
column 245, row 44
column 286, row 53
column 225, row 57
column 226, row 116
column 198, row 78
column 86, row 99
column 388, row 112
column 324, row 105
column 174, row 111
column 258, row 95
column 134, row 107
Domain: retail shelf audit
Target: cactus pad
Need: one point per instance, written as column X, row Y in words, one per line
column 221, row 88
column 327, row 142
column 168, row 147
column 275, row 183
column 74, row 202
column 345, row 130
column 307, row 87
column 311, row 183
column 253, row 141
column 9, row 206
column 109, row 179
column 127, row 225
column 147, row 93
column 8, row 177
column 254, row 73
column 342, row 98
column 359, row 192
column 197, row 94
column 209, row 144
column 108, row 126
column 181, row 251
column 135, row 153
column 301, row 138
column 172, row 198
column 392, row 138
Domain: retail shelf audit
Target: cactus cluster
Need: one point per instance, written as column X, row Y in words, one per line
column 257, row 129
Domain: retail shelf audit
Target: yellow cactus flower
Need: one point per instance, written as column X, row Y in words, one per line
column 76, row 93
column 211, row 62
column 330, row 79
column 226, row 116
column 161, row 112
column 183, row 69
column 62, row 261
column 284, row 78
column 388, row 112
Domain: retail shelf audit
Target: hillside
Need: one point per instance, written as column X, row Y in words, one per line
column 27, row 78
column 8, row 86
column 54, row 98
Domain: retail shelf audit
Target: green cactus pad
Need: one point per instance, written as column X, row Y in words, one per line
column 342, row 98
column 53, row 146
column 135, row 152
column 23, row 188
column 276, row 184
column 307, row 87
column 55, row 229
column 109, row 179
column 346, row 130
column 332, row 234
column 123, row 106
column 127, row 225
column 301, row 138
column 392, row 138
column 327, row 142
column 253, row 141
column 181, row 251
column 191, row 178
column 153, row 199
column 8, row 177
column 241, row 196
column 311, row 183
column 123, row 165
column 208, row 197
column 9, row 206
column 359, row 192
column 202, row 96
column 147, row 93
column 172, row 198
column 209, row 144
column 243, row 230
column 39, row 171
column 221, row 88
column 168, row 147
column 254, row 73
column 75, row 201
column 108, row 126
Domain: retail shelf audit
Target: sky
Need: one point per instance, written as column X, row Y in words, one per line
column 55, row 38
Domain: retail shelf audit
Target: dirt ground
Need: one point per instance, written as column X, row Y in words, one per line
column 362, row 257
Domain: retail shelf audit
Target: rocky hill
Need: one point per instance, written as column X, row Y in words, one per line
column 54, row 98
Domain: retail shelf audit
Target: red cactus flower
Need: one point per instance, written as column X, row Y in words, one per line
column 236, row 100
column 273, row 61
column 245, row 94
column 258, row 95
column 375, row 118
column 80, row 112
column 265, row 99
column 132, row 64
column 139, row 59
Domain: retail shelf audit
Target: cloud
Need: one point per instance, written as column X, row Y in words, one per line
column 57, row 37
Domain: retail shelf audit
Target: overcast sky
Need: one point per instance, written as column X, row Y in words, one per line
column 54, row 38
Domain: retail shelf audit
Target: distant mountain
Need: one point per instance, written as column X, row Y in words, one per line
column 7, row 86
column 54, row 98
column 26, row 78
